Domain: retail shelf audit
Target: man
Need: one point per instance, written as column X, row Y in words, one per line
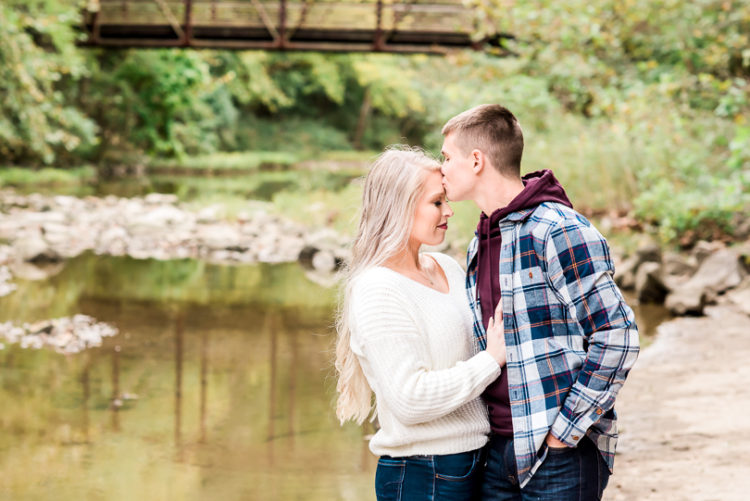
column 570, row 337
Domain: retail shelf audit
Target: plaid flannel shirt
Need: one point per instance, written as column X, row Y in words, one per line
column 571, row 339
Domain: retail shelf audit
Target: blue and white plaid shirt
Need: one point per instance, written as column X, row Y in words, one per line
column 571, row 339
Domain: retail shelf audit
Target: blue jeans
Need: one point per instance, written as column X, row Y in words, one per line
column 450, row 477
column 569, row 474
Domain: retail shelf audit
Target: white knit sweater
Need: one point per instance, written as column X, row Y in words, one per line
column 416, row 349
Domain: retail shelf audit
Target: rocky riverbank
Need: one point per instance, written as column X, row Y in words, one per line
column 687, row 283
column 41, row 230
column 47, row 229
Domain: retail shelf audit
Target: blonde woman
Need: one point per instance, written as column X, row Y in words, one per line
column 405, row 333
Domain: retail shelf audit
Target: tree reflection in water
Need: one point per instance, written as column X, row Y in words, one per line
column 219, row 386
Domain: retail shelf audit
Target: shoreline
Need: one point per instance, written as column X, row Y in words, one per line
column 683, row 413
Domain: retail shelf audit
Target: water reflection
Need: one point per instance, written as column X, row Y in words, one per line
column 219, row 386
column 648, row 317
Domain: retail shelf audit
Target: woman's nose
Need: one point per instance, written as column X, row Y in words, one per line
column 448, row 211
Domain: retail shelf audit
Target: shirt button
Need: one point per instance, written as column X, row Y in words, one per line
column 575, row 437
column 599, row 412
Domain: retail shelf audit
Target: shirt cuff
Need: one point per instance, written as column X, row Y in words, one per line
column 566, row 431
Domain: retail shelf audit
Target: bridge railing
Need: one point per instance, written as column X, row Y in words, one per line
column 371, row 25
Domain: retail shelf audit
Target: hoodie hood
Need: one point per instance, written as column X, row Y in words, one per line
column 539, row 187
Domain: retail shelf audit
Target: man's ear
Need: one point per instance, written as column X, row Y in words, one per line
column 478, row 158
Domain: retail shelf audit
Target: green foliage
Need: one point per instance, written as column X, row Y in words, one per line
column 662, row 88
column 37, row 57
column 625, row 100
column 19, row 177
column 166, row 86
column 290, row 134
column 739, row 149
column 322, row 207
column 249, row 160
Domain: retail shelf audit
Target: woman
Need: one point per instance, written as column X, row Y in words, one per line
column 405, row 333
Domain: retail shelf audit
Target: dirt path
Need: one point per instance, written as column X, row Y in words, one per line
column 685, row 413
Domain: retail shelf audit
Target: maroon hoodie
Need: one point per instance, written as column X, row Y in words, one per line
column 540, row 186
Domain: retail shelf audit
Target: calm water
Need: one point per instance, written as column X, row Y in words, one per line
column 219, row 386
column 225, row 380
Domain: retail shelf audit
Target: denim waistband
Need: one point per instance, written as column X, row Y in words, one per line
column 429, row 457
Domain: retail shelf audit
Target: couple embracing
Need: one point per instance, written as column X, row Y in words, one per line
column 494, row 383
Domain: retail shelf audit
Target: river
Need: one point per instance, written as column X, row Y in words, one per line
column 219, row 386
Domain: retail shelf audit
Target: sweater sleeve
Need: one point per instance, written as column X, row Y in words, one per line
column 394, row 345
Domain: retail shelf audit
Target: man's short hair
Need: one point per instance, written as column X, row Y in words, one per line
column 494, row 131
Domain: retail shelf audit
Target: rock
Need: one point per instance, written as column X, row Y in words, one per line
column 6, row 253
column 678, row 264
column 35, row 249
column 686, row 300
column 6, row 287
column 32, row 271
column 45, row 217
column 741, row 225
column 65, row 202
column 65, row 335
column 674, row 282
column 718, row 272
column 648, row 252
column 344, row 256
column 321, row 260
column 740, row 296
column 306, row 255
column 158, row 219
column 161, row 199
column 152, row 227
column 703, row 249
column 218, row 237
column 10, row 228
column 649, row 285
column 743, row 251
column 324, row 261
column 114, row 235
column 56, row 235
column 210, row 214
column 625, row 273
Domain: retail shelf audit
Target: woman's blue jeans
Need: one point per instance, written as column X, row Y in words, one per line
column 569, row 474
column 450, row 477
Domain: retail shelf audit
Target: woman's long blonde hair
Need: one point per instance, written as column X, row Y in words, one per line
column 391, row 190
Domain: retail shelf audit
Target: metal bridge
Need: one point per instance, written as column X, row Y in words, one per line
column 432, row 26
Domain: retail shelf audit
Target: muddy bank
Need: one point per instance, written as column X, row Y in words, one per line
column 684, row 412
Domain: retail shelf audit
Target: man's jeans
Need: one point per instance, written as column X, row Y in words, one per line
column 570, row 474
column 450, row 477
